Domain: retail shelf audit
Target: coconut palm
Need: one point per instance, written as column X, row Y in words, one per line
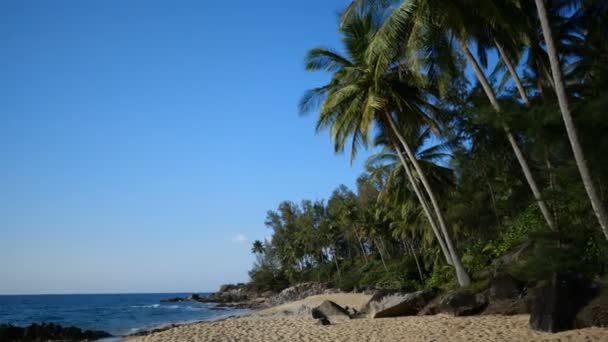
column 363, row 93
column 564, row 105
column 420, row 25
column 258, row 247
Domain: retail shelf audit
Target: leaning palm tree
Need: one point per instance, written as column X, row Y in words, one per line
column 564, row 105
column 361, row 94
column 421, row 25
column 391, row 161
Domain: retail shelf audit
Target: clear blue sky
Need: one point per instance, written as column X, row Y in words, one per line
column 141, row 143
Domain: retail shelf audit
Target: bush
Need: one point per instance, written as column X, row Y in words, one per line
column 441, row 276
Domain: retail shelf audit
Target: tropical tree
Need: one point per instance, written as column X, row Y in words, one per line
column 565, row 108
column 258, row 247
column 361, row 94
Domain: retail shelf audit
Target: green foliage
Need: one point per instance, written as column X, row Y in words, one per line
column 480, row 254
column 366, row 237
column 441, row 276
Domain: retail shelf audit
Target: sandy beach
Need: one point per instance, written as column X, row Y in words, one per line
column 290, row 322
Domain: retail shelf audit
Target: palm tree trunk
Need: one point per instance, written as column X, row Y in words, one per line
column 336, row 261
column 386, row 251
column 362, row 249
column 415, row 259
column 564, row 106
column 513, row 72
column 494, row 202
column 523, row 163
column 381, row 257
column 425, row 206
column 461, row 273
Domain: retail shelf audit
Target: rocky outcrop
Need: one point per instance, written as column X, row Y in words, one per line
column 594, row 314
column 463, row 303
column 508, row 296
column 560, row 299
column 504, row 286
column 48, row 332
column 299, row 292
column 173, row 300
column 396, row 304
column 330, row 313
column 230, row 295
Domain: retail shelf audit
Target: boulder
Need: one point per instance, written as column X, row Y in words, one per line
column 507, row 296
column 559, row 300
column 395, row 304
column 48, row 332
column 594, row 314
column 504, row 286
column 463, row 303
column 172, row 300
column 300, row 291
column 330, row 313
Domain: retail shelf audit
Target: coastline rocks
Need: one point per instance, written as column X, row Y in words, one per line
column 299, row 292
column 559, row 300
column 329, row 312
column 507, row 296
column 48, row 332
column 238, row 296
column 504, row 286
column 172, row 300
column 396, row 304
column 463, row 303
column 594, row 314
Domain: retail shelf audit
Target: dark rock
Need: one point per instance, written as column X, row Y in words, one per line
column 48, row 332
column 172, row 300
column 324, row 321
column 396, row 304
column 330, row 312
column 463, row 303
column 519, row 305
column 300, row 291
column 594, row 314
column 559, row 300
column 504, row 286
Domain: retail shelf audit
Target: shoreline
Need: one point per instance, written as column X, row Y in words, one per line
column 293, row 322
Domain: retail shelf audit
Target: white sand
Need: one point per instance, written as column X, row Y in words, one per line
column 272, row 325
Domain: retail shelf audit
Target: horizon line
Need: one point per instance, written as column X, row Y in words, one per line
column 99, row 293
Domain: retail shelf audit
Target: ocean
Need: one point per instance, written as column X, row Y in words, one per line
column 118, row 314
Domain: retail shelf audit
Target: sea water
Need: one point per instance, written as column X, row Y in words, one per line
column 118, row 314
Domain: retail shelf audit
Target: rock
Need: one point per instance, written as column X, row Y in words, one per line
column 194, row 298
column 330, row 312
column 559, row 300
column 172, row 300
column 504, row 286
column 396, row 304
column 463, row 303
column 594, row 314
column 300, row 291
column 48, row 332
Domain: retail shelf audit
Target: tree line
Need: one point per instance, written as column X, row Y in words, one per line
column 489, row 121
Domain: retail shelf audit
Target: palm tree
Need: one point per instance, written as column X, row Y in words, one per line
column 361, row 94
column 421, row 23
column 564, row 105
column 258, row 247
column 426, row 158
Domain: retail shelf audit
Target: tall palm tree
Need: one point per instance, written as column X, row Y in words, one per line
column 564, row 105
column 361, row 94
column 426, row 158
column 421, row 23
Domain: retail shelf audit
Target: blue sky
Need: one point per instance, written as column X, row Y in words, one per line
column 142, row 142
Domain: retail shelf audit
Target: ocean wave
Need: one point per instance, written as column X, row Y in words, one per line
column 169, row 307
